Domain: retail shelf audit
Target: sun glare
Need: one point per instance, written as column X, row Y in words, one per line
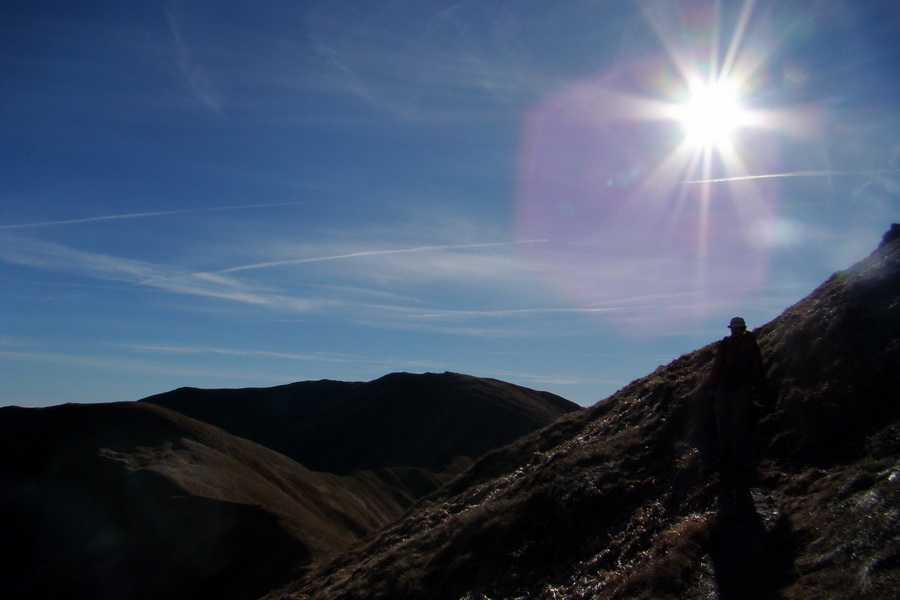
column 711, row 115
column 645, row 168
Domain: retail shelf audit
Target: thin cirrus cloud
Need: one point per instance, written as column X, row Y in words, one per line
column 462, row 264
column 409, row 62
column 418, row 62
column 211, row 350
column 342, row 299
column 51, row 256
column 119, row 364
column 195, row 76
column 143, row 215
column 821, row 173
column 371, row 253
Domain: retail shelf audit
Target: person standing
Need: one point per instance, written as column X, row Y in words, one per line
column 737, row 374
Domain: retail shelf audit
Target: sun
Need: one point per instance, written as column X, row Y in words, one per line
column 711, row 115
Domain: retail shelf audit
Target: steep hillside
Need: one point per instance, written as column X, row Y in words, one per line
column 622, row 500
column 133, row 501
column 400, row 420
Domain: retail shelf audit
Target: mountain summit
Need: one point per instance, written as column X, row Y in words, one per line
column 431, row 421
column 623, row 500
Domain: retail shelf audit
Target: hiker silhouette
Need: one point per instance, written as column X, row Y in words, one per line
column 737, row 376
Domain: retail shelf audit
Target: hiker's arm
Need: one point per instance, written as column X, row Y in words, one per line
column 716, row 372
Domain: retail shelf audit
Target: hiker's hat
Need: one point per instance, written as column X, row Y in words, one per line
column 737, row 322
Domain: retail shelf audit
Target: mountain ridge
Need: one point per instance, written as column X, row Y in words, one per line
column 132, row 500
column 431, row 421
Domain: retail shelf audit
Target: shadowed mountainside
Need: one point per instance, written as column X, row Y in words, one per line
column 622, row 500
column 428, row 421
column 131, row 500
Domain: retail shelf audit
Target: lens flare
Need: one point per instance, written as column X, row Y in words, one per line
column 603, row 178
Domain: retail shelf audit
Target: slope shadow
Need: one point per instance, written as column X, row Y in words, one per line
column 752, row 545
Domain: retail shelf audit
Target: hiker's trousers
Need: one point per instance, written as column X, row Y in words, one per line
column 732, row 421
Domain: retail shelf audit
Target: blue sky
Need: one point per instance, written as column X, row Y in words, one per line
column 233, row 194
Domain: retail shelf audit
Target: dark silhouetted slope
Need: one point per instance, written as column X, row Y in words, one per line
column 400, row 420
column 622, row 500
column 133, row 501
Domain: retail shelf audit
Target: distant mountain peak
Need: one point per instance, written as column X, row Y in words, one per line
column 398, row 420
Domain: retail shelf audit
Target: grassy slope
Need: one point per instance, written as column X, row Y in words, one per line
column 131, row 500
column 621, row 500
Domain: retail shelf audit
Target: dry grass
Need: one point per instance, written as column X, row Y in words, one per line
column 134, row 501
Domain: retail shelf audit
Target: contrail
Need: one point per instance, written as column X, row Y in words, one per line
column 162, row 213
column 792, row 174
column 300, row 261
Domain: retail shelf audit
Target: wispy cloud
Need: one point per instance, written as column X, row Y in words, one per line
column 417, row 62
column 159, row 349
column 377, row 295
column 142, row 215
column 822, row 173
column 369, row 253
column 47, row 255
column 475, row 289
column 123, row 365
column 195, row 76
column 514, row 312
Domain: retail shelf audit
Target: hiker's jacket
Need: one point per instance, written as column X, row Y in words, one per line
column 738, row 362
